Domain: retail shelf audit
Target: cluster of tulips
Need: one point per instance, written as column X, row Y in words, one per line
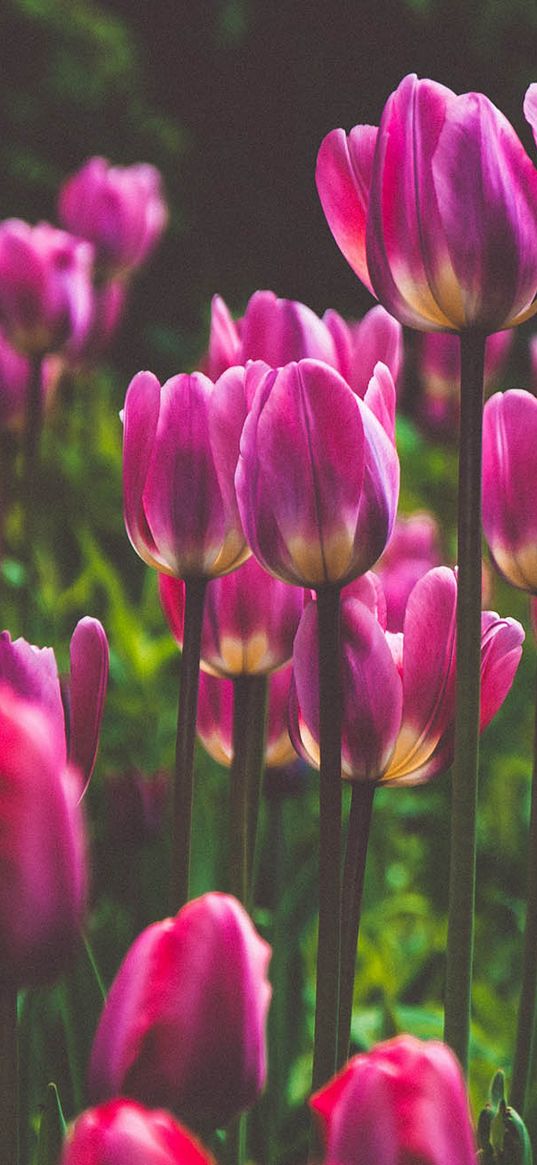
column 263, row 489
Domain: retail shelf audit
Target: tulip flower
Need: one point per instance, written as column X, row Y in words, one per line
column 184, row 1022
column 509, row 497
column 125, row 1133
column 439, row 368
column 120, row 209
column 360, row 346
column 436, row 210
column 403, row 1101
column 32, row 673
column 215, row 719
column 42, row 844
column 413, row 549
column 45, row 286
column 274, row 330
column 318, row 475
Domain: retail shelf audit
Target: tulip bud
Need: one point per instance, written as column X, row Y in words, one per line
column 124, row 1133
column 502, row 1135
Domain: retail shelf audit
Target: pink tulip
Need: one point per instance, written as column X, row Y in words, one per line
column 184, row 1023
column 399, row 689
column 436, row 210
column 123, row 1133
column 402, row 1102
column 509, row 485
column 32, row 673
column 318, row 474
column 249, row 623
column 274, row 330
column 120, row 209
column 439, row 367
column 45, row 286
column 42, row 844
column 413, row 549
column 360, row 346
column 180, row 449
column 215, row 719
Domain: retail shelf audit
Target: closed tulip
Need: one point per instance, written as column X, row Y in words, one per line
column 124, row 1133
column 402, row 1102
column 509, row 485
column 184, row 1023
column 215, row 719
column 436, row 210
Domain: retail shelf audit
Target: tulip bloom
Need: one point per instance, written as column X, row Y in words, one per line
column 180, row 449
column 404, row 1101
column 120, row 209
column 184, row 1022
column 215, row 719
column 124, row 1133
column 399, row 690
column 413, row 549
column 318, row 474
column 42, row 845
column 440, row 372
column 509, row 486
column 249, row 623
column 436, row 210
column 45, row 286
column 360, row 346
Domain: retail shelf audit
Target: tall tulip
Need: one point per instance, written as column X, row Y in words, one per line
column 128, row 1134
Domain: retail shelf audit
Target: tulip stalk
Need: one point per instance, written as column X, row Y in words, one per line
column 325, row 1054
column 249, row 706
column 465, row 767
column 526, row 1008
column 182, row 795
column 9, row 1075
column 351, row 907
column 30, row 486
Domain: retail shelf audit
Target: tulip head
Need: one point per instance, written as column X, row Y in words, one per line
column 125, row 1133
column 509, row 485
column 361, row 345
column 215, row 719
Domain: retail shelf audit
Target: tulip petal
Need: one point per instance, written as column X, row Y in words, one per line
column 509, row 465
column 281, row 330
column 140, row 420
column 343, row 177
column 380, row 398
column 32, row 673
column 224, row 340
column 88, row 682
column 378, row 336
column 501, row 649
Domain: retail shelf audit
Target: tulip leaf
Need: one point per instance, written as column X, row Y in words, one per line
column 51, row 1129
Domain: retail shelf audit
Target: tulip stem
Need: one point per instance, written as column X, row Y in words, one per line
column 351, row 907
column 325, row 1060
column 30, row 490
column 9, row 1095
column 460, row 941
column 249, row 704
column 182, row 794
column 526, row 1007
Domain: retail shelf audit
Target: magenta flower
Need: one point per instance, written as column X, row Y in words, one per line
column 32, row 673
column 413, row 549
column 402, row 1102
column 42, row 844
column 249, row 622
column 124, row 1133
column 184, row 1023
column 180, row 450
column 439, row 367
column 120, row 209
column 509, row 485
column 436, row 211
column 318, row 474
column 360, row 346
column 45, row 286
column 399, row 690
column 215, row 719
column 274, row 330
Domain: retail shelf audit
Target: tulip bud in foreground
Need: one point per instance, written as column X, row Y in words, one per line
column 404, row 1102
column 184, row 1023
column 123, row 1133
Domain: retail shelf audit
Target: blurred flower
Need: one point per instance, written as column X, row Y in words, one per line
column 124, row 1133
column 412, row 550
column 135, row 807
column 215, row 719
column 404, row 1101
column 436, row 211
column 440, row 371
column 510, row 485
column 318, row 474
column 120, row 209
column 180, row 449
column 184, row 1022
column 107, row 309
column 42, row 844
column 399, row 689
column 45, row 286
column 249, row 623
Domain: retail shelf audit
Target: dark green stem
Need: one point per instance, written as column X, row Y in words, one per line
column 30, row 491
column 9, row 1100
column 328, row 951
column 186, row 737
column 256, row 736
column 460, row 940
column 249, row 708
column 526, row 1007
column 351, row 908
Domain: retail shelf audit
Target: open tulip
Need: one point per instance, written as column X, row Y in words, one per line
column 120, row 209
column 215, row 719
column 184, row 1022
column 318, row 474
column 404, row 1101
column 124, row 1133
column 509, row 485
column 436, row 210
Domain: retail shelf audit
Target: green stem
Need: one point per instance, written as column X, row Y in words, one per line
column 328, row 951
column 351, row 908
column 186, row 738
column 30, row 491
column 256, row 736
column 9, row 1097
column 249, row 708
column 526, row 1007
column 460, row 940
